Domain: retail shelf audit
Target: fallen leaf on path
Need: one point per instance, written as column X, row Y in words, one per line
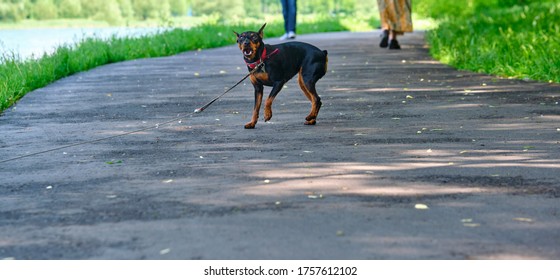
column 527, row 148
column 409, row 97
column 168, row 181
column 339, row 233
column 421, row 206
column 165, row 251
column 525, row 220
column 468, row 222
column 471, row 224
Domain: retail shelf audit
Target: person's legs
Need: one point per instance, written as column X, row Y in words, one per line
column 393, row 43
column 289, row 11
column 292, row 14
column 285, row 8
column 384, row 38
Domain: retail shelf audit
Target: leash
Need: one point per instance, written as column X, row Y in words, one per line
column 198, row 110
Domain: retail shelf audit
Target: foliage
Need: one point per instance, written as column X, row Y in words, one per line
column 118, row 11
column 512, row 38
column 441, row 9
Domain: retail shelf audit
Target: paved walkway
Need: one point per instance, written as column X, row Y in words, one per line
column 398, row 132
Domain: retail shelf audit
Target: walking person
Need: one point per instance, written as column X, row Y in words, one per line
column 396, row 19
column 289, row 11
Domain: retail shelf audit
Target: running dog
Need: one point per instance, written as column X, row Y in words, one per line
column 274, row 65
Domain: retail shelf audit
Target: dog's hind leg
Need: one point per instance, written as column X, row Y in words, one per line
column 307, row 85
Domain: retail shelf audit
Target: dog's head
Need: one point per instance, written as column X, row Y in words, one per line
column 251, row 43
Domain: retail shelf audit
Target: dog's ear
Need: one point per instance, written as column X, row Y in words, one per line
column 236, row 34
column 261, row 30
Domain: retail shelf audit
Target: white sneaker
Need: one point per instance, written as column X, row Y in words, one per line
column 289, row 35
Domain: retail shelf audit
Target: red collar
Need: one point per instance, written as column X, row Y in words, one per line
column 264, row 57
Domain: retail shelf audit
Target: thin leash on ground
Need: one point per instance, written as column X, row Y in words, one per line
column 98, row 139
column 189, row 115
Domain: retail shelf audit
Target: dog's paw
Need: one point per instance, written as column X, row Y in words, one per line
column 250, row 125
column 267, row 115
column 310, row 122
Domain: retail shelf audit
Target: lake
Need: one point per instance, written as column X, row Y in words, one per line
column 29, row 43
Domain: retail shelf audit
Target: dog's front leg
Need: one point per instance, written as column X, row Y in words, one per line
column 276, row 87
column 258, row 100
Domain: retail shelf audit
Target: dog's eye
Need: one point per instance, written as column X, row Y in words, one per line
column 254, row 37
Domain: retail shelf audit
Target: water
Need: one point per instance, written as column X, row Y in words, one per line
column 33, row 43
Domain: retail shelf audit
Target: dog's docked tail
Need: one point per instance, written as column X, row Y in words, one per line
column 326, row 60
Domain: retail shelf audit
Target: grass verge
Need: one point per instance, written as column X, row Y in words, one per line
column 20, row 77
column 519, row 41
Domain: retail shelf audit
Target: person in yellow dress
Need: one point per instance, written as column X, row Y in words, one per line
column 395, row 16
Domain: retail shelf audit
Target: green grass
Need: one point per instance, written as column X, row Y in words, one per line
column 520, row 41
column 20, row 77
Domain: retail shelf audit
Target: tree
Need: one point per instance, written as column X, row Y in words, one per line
column 12, row 10
column 226, row 9
column 145, row 9
column 178, row 7
column 44, row 9
column 110, row 12
column 126, row 8
column 69, row 8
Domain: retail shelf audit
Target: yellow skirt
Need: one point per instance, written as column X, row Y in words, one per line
column 395, row 15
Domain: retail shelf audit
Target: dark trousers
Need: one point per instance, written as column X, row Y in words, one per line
column 289, row 10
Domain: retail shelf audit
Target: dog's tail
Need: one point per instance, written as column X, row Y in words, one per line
column 326, row 60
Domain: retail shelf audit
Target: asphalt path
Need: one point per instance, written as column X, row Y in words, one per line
column 410, row 159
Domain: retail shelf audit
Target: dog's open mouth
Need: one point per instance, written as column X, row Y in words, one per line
column 248, row 52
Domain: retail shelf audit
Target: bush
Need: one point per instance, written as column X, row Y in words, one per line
column 69, row 8
column 12, row 12
column 44, row 9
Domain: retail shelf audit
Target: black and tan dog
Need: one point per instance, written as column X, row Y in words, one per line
column 281, row 63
